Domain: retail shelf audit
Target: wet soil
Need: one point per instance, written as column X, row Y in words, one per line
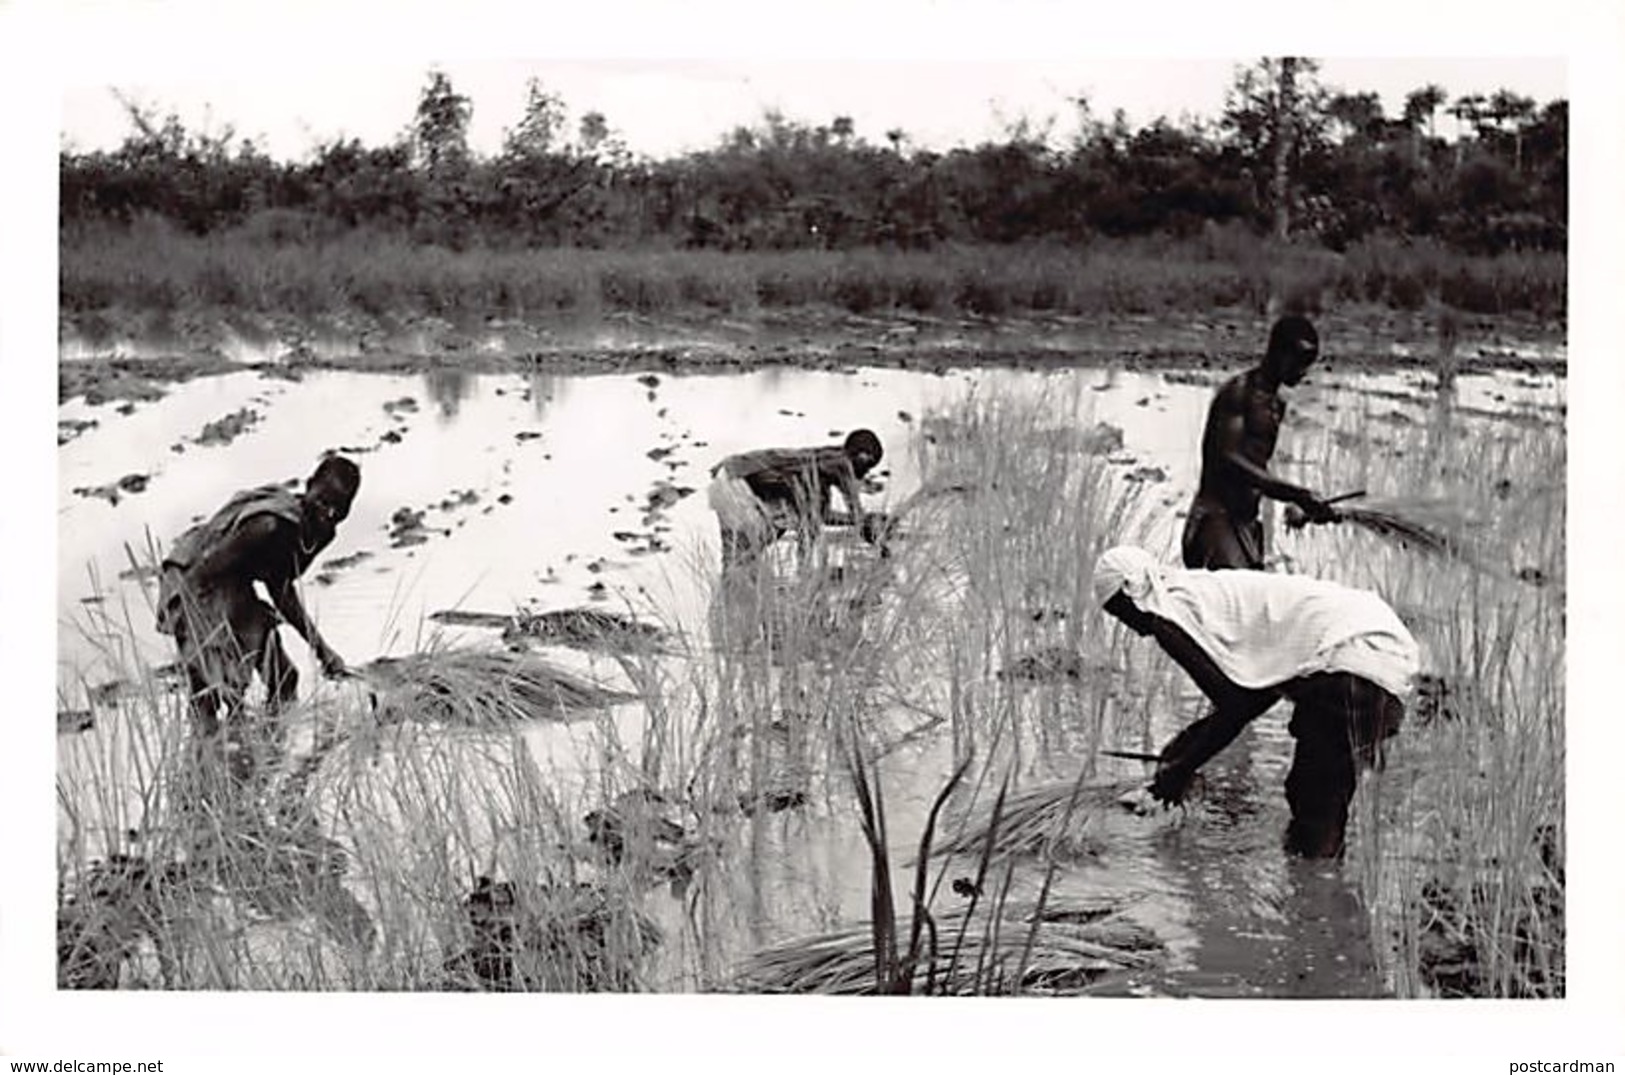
column 115, row 363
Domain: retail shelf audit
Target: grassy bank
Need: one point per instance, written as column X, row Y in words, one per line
column 151, row 267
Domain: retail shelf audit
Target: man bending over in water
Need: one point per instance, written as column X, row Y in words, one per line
column 1223, row 529
column 206, row 600
column 1250, row 638
column 759, row 496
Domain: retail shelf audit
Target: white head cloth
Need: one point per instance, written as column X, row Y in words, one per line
column 1262, row 628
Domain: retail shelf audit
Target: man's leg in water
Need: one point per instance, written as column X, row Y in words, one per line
column 218, row 679
column 1339, row 721
column 259, row 739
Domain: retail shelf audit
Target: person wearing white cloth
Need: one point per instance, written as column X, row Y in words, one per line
column 1250, row 638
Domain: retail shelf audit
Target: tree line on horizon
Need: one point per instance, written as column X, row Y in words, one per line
column 1288, row 156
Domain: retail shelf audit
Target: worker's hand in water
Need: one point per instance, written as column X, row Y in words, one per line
column 1172, row 783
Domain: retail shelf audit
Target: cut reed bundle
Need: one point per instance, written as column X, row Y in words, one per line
column 1048, row 819
column 1432, row 526
column 1072, row 946
column 1406, row 531
column 584, row 628
column 480, row 688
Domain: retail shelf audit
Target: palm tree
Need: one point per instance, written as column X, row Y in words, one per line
column 1423, row 104
column 1508, row 107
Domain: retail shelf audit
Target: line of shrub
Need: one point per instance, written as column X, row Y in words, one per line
column 150, row 266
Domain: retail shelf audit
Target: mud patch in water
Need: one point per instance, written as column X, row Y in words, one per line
column 112, row 492
column 227, row 429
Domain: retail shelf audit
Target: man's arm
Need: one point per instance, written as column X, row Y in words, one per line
column 262, row 548
column 286, row 598
column 1234, row 708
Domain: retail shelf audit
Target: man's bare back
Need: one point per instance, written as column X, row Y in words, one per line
column 760, row 495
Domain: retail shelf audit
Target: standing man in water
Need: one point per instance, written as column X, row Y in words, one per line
column 206, row 599
column 1249, row 638
column 759, row 496
column 1223, row 529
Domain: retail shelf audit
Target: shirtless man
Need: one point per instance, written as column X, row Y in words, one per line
column 759, row 496
column 224, row 632
column 1223, row 529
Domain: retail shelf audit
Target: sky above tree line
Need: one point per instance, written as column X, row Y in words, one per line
column 665, row 107
column 673, row 78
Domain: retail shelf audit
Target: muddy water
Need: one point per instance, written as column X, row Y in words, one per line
column 493, row 492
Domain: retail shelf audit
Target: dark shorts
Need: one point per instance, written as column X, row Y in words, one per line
column 223, row 641
column 1340, row 722
column 1215, row 539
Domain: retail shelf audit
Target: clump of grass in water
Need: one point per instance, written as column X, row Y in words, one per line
column 1076, row 944
column 424, row 810
column 981, row 556
column 1015, row 552
column 348, row 877
column 475, row 687
column 989, row 947
column 1048, row 819
column 1468, row 846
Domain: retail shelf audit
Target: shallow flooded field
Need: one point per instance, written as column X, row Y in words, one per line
column 506, row 493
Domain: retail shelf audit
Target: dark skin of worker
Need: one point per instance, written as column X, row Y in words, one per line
column 274, row 551
column 1243, row 423
column 1234, row 706
column 802, row 480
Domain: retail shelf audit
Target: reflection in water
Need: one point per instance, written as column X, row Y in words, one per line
column 1267, row 924
column 546, row 390
column 448, row 386
column 1440, row 427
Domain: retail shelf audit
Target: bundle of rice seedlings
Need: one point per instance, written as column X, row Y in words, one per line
column 586, row 628
column 1432, row 526
column 1048, row 819
column 1016, row 949
column 480, row 688
column 1407, row 531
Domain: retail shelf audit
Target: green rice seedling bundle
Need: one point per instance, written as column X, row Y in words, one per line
column 1062, row 948
column 481, row 688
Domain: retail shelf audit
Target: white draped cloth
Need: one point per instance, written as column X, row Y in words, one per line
column 1262, row 628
